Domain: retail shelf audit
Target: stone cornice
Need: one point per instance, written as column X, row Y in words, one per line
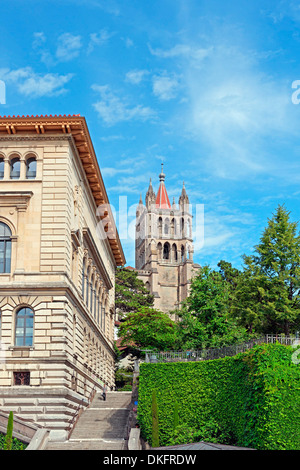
column 75, row 129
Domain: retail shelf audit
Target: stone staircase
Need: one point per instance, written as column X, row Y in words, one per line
column 102, row 426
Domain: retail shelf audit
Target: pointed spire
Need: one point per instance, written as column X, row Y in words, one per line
column 162, row 199
column 184, row 200
column 174, row 204
column 162, row 175
column 150, row 196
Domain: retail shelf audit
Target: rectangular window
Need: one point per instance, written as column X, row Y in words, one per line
column 5, row 256
column 21, row 378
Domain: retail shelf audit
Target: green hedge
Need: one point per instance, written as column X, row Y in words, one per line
column 249, row 400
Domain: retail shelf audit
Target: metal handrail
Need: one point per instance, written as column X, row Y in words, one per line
column 79, row 410
column 215, row 353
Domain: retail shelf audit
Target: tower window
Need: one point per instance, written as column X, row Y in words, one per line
column 174, row 248
column 182, row 253
column 166, row 229
column 160, row 227
column 166, row 254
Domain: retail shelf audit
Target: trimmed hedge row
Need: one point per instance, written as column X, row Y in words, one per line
column 249, row 400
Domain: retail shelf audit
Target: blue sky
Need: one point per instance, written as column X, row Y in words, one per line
column 203, row 86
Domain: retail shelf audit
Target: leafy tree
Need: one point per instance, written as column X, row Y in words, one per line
column 267, row 296
column 231, row 275
column 130, row 292
column 205, row 320
column 148, row 328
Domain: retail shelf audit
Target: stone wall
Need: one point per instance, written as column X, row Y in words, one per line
column 54, row 228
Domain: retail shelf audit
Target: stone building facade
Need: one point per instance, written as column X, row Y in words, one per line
column 58, row 257
column 164, row 246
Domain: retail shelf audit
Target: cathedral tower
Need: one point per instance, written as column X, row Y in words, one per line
column 164, row 246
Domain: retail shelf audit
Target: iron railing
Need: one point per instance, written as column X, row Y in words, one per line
column 215, row 353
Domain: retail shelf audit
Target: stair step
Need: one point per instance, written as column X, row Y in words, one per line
column 102, row 426
column 87, row 445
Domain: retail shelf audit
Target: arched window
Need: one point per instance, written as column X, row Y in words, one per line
column 190, row 228
column 95, row 302
column 174, row 252
column 103, row 315
column 166, row 229
column 182, row 227
column 101, row 321
column 173, row 227
column 1, row 168
column 87, row 286
column 31, row 168
column 15, row 168
column 166, row 254
column 98, row 307
column 5, row 248
column 159, row 227
column 91, row 293
column 24, row 327
column 182, row 253
column 159, row 250
column 83, row 279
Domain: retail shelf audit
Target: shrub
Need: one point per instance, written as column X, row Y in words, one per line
column 16, row 444
column 249, row 400
column 9, row 431
column 123, row 379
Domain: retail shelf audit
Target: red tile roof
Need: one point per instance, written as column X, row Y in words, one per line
column 162, row 198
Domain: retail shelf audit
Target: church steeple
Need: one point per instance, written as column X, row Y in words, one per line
column 150, row 196
column 164, row 246
column 162, row 198
column 183, row 199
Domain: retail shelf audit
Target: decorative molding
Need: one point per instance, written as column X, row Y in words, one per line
column 73, row 128
column 18, row 199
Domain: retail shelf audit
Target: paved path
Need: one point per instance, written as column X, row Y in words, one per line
column 102, row 426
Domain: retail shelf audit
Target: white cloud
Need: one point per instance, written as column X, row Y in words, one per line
column 136, row 76
column 98, row 39
column 128, row 42
column 32, row 84
column 113, row 109
column 184, row 51
column 68, row 47
column 39, row 39
column 234, row 111
column 165, row 87
column 110, row 172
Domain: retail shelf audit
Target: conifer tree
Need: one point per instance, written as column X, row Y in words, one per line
column 130, row 292
column 9, row 432
column 267, row 297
